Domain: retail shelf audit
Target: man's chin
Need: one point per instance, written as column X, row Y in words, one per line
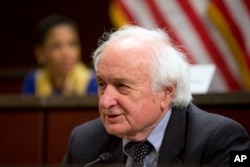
column 116, row 132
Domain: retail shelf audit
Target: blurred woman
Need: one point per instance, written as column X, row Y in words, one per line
column 58, row 52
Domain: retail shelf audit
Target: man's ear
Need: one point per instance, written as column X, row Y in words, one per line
column 167, row 96
column 39, row 54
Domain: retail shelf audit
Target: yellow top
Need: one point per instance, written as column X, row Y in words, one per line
column 76, row 81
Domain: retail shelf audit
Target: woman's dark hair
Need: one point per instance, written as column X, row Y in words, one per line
column 51, row 21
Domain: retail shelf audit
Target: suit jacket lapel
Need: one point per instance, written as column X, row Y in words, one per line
column 115, row 148
column 174, row 139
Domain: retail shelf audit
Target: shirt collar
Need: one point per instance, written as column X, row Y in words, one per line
column 156, row 136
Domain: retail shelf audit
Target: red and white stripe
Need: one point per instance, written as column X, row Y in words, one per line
column 189, row 26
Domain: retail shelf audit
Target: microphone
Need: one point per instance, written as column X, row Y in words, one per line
column 103, row 157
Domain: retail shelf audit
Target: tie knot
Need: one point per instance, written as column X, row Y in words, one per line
column 139, row 150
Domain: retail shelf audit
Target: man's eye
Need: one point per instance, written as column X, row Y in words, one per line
column 121, row 85
column 101, row 84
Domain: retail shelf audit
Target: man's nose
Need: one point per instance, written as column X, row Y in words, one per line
column 109, row 97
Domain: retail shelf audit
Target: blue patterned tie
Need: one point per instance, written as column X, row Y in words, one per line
column 138, row 151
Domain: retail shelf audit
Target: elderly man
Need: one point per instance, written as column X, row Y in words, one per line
column 146, row 114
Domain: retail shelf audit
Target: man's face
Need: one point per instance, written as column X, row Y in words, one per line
column 128, row 106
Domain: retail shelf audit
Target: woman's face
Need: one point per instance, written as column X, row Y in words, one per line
column 61, row 49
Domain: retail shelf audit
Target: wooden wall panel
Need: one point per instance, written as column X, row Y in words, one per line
column 21, row 137
column 60, row 123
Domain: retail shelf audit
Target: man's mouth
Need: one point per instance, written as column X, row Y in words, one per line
column 114, row 118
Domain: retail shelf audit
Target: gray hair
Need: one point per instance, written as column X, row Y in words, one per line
column 169, row 65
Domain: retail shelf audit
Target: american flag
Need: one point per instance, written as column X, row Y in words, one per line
column 208, row 31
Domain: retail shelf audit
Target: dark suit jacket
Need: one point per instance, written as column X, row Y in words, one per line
column 193, row 138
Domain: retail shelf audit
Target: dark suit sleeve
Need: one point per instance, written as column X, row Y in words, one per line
column 228, row 136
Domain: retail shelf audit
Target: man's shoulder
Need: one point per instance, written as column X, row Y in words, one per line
column 200, row 125
column 203, row 124
column 199, row 116
column 92, row 129
column 210, row 137
column 92, row 124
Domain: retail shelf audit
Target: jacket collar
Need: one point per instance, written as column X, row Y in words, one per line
column 173, row 142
